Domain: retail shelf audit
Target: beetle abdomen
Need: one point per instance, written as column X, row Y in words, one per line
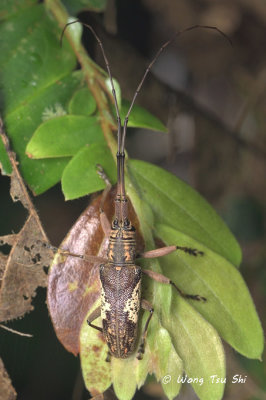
column 120, row 307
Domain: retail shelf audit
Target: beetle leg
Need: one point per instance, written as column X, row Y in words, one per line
column 163, row 251
column 95, row 314
column 163, row 279
column 105, row 224
column 190, row 251
column 146, row 306
column 92, row 259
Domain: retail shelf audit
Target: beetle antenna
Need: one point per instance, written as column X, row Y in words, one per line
column 178, row 33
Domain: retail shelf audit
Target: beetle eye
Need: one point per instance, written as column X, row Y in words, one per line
column 115, row 223
column 126, row 223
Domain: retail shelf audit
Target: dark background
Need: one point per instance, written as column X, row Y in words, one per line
column 212, row 98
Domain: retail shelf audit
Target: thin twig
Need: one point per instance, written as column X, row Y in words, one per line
column 15, row 331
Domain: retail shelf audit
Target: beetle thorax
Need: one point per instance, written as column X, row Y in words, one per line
column 122, row 244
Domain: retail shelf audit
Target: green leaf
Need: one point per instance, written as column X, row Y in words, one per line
column 141, row 118
column 9, row 7
column 40, row 174
column 92, row 356
column 5, row 164
column 80, row 177
column 178, row 205
column 31, row 60
column 169, row 366
column 82, row 103
column 117, row 90
column 36, row 75
column 75, row 29
column 198, row 345
column 229, row 307
column 123, row 377
column 64, row 136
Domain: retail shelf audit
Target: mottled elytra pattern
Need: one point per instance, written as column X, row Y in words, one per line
column 120, row 307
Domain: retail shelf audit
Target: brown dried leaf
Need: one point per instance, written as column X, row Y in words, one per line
column 7, row 391
column 73, row 284
column 3, row 261
column 8, row 239
column 23, row 271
